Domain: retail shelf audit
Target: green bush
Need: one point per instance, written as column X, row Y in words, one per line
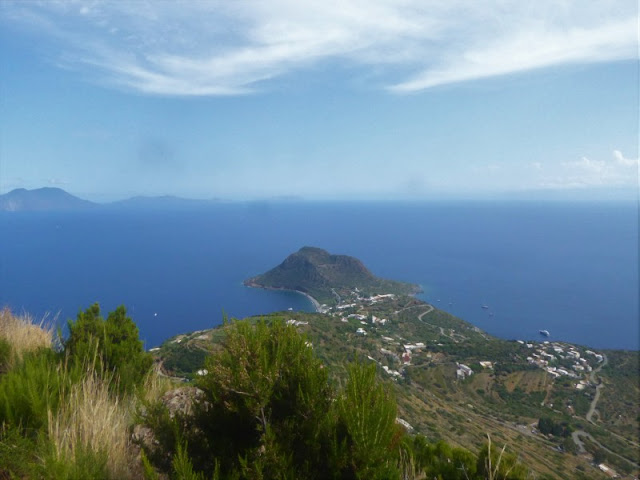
column 5, row 355
column 113, row 346
column 440, row 460
column 367, row 429
column 548, row 426
column 265, row 392
column 17, row 454
column 32, row 389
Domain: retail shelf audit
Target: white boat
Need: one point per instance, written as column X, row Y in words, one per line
column 544, row 332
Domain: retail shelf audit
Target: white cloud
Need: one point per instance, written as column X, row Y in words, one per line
column 585, row 172
column 626, row 162
column 57, row 182
column 228, row 48
column 529, row 49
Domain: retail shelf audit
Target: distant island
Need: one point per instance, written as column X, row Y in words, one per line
column 42, row 199
column 56, row 199
column 326, row 278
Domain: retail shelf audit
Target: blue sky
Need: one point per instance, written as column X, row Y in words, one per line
column 371, row 99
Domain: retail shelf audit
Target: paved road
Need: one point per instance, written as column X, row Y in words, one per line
column 429, row 310
column 581, row 433
column 594, row 402
column 576, row 439
column 406, row 308
column 339, row 298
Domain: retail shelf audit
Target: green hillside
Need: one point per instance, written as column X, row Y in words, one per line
column 419, row 350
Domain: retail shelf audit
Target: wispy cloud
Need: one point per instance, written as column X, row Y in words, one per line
column 58, row 182
column 229, row 48
column 534, row 47
column 585, row 172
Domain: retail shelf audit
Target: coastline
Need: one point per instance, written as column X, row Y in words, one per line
column 314, row 302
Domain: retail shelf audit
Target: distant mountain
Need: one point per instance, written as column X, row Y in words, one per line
column 42, row 199
column 327, row 277
column 52, row 199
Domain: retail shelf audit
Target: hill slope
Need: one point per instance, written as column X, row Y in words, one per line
column 326, row 277
column 41, row 199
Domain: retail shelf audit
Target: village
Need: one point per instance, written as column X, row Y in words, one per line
column 558, row 359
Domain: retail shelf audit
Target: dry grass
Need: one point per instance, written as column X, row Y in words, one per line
column 155, row 386
column 23, row 334
column 93, row 420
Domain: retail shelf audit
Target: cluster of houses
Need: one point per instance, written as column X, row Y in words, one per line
column 296, row 323
column 555, row 358
column 562, row 360
column 363, row 320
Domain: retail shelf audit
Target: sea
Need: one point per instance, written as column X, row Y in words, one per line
column 569, row 268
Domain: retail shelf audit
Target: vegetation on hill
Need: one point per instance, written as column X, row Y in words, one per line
column 66, row 410
column 506, row 397
column 266, row 407
column 327, row 277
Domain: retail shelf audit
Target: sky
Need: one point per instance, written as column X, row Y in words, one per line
column 348, row 99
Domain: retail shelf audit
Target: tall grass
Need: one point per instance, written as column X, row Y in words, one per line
column 155, row 386
column 23, row 334
column 92, row 423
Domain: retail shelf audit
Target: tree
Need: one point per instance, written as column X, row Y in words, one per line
column 113, row 346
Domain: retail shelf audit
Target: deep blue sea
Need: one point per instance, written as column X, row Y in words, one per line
column 569, row 268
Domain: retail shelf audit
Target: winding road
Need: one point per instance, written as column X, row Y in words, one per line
column 589, row 416
column 425, row 312
column 594, row 402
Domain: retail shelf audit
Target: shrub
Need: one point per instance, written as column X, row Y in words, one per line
column 265, row 392
column 32, row 389
column 17, row 454
column 367, row 427
column 114, row 346
column 441, row 460
column 5, row 355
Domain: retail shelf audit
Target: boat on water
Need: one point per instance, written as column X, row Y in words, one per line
column 544, row 332
column 485, row 307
